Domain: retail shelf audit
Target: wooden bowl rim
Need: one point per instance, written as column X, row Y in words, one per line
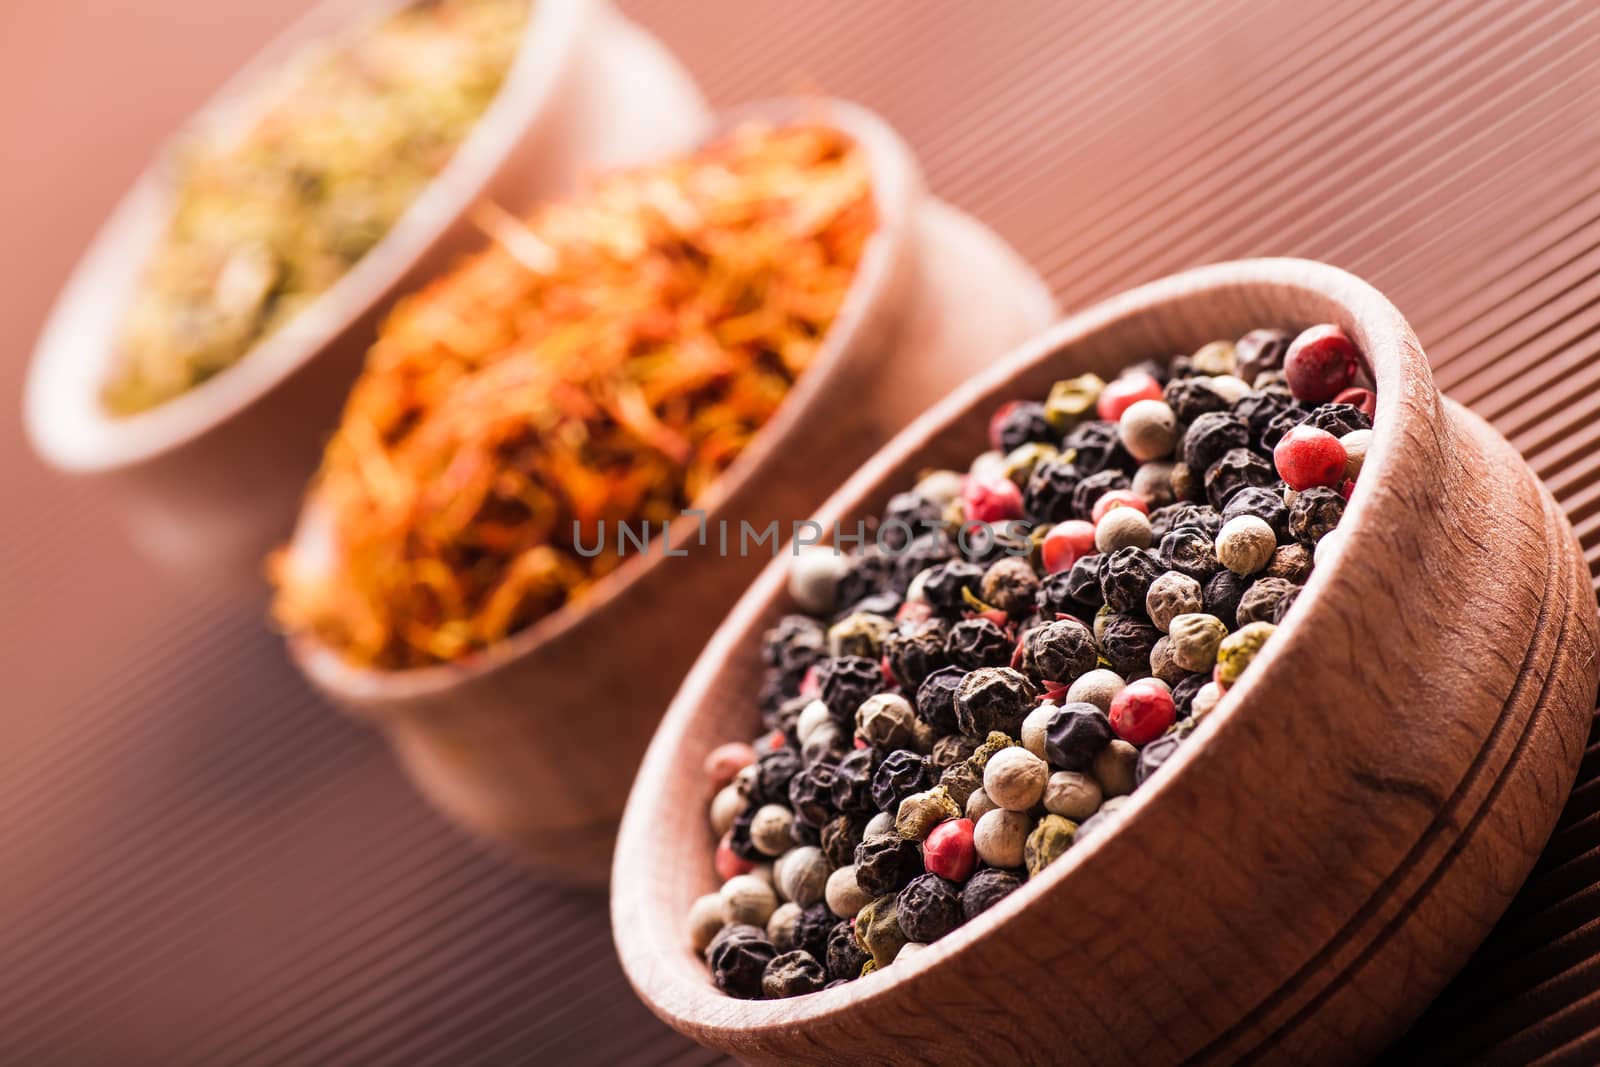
column 67, row 423
column 897, row 188
column 653, row 946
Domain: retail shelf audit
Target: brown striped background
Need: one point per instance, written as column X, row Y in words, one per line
column 200, row 864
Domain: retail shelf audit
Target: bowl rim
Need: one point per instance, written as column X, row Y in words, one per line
column 897, row 189
column 659, row 964
column 65, row 420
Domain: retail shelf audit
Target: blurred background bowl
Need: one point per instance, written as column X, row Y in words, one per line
column 1326, row 849
column 534, row 742
column 210, row 480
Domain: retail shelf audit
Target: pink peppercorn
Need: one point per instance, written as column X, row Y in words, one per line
column 809, row 685
column 727, row 760
column 1065, row 544
column 1320, row 363
column 914, row 611
column 1308, row 456
column 949, row 852
column 1124, row 392
column 1118, row 498
column 727, row 863
column 1347, row 488
column 1141, row 711
column 986, row 500
column 1357, row 397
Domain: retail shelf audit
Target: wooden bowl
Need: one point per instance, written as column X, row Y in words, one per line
column 211, row 480
column 534, row 743
column 1326, row 850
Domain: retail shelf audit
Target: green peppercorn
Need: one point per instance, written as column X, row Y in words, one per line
column 1071, row 399
column 1239, row 649
column 1049, row 839
column 1195, row 639
column 960, row 781
column 878, row 929
column 1021, row 461
column 920, row 812
column 861, row 634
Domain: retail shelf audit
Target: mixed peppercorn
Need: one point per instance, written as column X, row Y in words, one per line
column 1023, row 645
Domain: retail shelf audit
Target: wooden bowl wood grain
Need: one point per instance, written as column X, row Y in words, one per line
column 534, row 743
column 210, row 481
column 1321, row 856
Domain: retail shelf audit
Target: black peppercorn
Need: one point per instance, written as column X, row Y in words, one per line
column 777, row 687
column 975, row 643
column 1261, row 350
column 792, row 974
column 1187, row 550
column 739, row 835
column 885, row 862
column 1189, row 398
column 1258, row 408
column 1096, row 446
column 770, row 782
column 838, row 840
column 866, row 572
column 1018, row 423
column 1313, row 513
column 1183, row 693
column 929, row 907
column 907, row 516
column 985, row 889
column 1238, row 469
column 1291, row 561
column 945, row 583
column 1048, row 495
column 993, row 698
column 1126, row 574
column 1220, row 596
column 1340, row 419
column 936, row 699
column 1127, row 641
column 1264, row 503
column 811, row 794
column 739, row 960
column 785, row 718
column 811, row 930
column 1280, row 424
column 1094, row 487
column 916, row 650
column 852, row 781
column 885, row 603
column 845, row 957
column 1156, row 753
column 1074, row 735
column 794, row 644
column 1260, row 602
column 1074, row 591
column 1210, row 437
column 1184, row 513
column 951, row 750
column 1010, row 584
column 826, row 744
column 1284, row 604
column 925, row 550
column 801, row 834
column 901, row 773
column 1058, row 651
column 844, row 682
column 1155, row 368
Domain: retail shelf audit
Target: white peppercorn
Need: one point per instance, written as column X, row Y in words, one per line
column 769, row 829
column 1229, row 387
column 1196, row 637
column 1122, row 528
column 881, row 823
column 811, row 716
column 1216, row 358
column 886, row 721
column 1356, row 443
column 705, row 920
column 1205, row 700
column 802, row 875
column 1033, row 727
column 1000, row 836
column 941, row 487
column 726, row 806
column 780, row 927
column 1149, row 429
column 814, row 575
column 1115, row 768
column 1097, row 687
column 1245, row 544
column 748, row 898
column 1163, row 665
column 979, row 805
column 1072, row 794
column 1172, row 594
column 1014, row 778
column 844, row 895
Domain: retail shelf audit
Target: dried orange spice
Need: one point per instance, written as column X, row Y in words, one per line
column 600, row 363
